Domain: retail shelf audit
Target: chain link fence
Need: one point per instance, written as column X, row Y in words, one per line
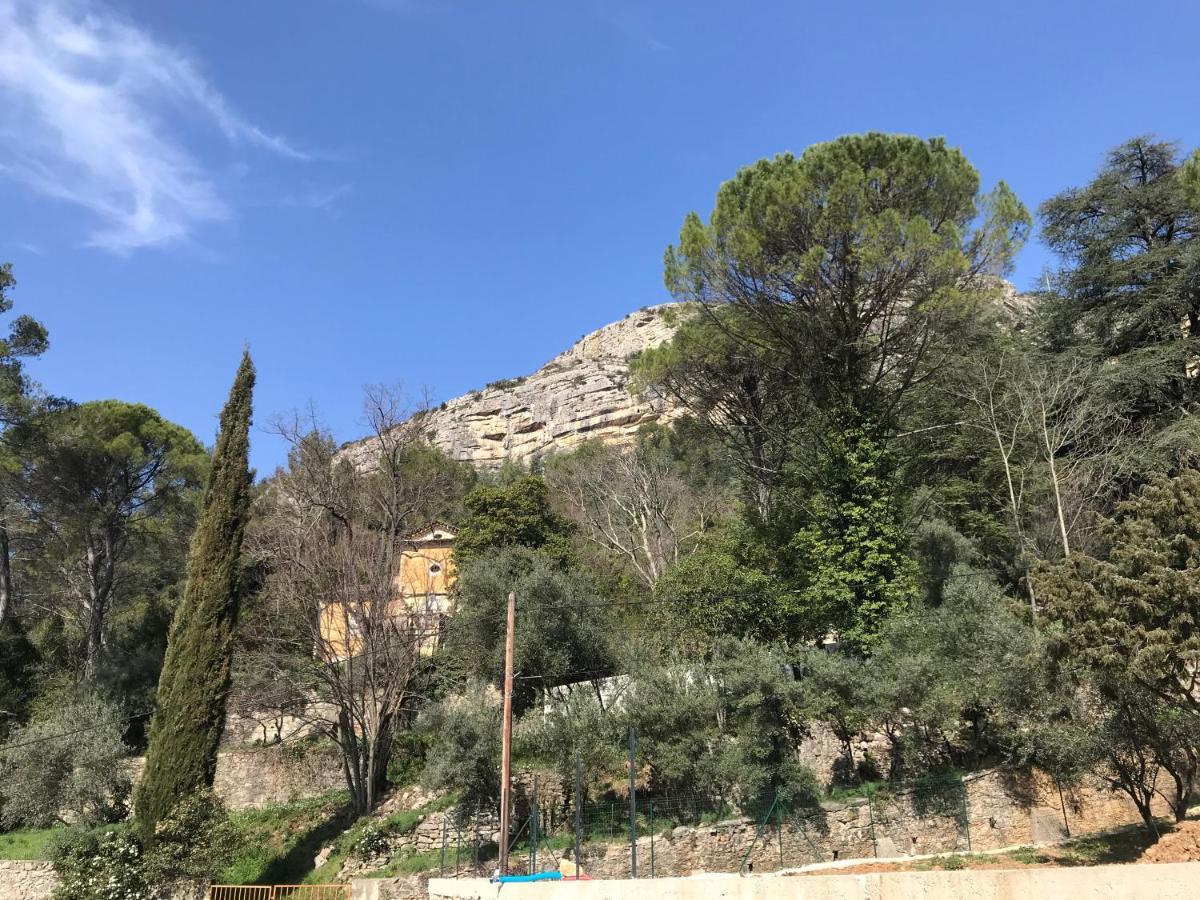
column 675, row 835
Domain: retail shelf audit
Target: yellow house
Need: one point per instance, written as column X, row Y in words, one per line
column 422, row 587
column 427, row 574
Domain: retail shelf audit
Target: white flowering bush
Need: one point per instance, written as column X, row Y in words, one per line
column 191, row 843
column 373, row 841
column 104, row 866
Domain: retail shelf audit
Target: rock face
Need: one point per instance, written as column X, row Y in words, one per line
column 580, row 394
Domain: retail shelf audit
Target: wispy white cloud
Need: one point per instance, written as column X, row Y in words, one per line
column 96, row 112
column 323, row 199
column 28, row 247
column 630, row 25
column 410, row 7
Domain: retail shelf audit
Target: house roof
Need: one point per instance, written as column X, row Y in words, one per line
column 448, row 531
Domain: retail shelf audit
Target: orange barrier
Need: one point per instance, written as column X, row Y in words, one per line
column 279, row 892
column 311, row 892
column 238, row 892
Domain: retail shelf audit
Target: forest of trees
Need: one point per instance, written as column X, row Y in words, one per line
column 900, row 500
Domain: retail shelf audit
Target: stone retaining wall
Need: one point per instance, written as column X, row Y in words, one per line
column 987, row 811
column 993, row 810
column 25, row 880
column 35, row 880
column 263, row 776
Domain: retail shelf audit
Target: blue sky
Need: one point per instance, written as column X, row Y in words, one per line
column 443, row 193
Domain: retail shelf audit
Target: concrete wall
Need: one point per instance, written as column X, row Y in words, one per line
column 1168, row 881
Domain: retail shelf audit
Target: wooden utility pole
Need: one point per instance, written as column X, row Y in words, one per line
column 506, row 733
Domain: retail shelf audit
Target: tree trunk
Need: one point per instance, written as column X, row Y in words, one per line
column 5, row 574
column 95, row 641
column 100, row 575
column 1054, row 481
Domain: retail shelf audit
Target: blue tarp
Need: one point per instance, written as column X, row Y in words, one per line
column 537, row 876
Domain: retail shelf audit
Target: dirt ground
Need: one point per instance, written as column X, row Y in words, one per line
column 1181, row 845
column 1124, row 846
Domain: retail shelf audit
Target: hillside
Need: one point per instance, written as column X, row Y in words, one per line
column 582, row 393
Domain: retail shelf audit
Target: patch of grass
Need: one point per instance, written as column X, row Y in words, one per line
column 38, row 843
column 952, row 863
column 1027, row 856
column 279, row 842
column 27, row 843
column 344, row 844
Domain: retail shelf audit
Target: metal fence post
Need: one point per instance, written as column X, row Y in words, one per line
column 1062, row 803
column 632, row 803
column 652, row 830
column 578, row 815
column 966, row 818
column 780, row 806
column 871, row 816
column 475, row 843
column 533, row 830
column 445, row 825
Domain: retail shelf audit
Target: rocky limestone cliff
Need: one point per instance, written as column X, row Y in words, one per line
column 581, row 393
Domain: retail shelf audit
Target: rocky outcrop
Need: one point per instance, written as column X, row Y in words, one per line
column 580, row 394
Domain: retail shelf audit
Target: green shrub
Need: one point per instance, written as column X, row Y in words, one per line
column 373, row 840
column 66, row 763
column 408, row 758
column 191, row 843
column 99, row 866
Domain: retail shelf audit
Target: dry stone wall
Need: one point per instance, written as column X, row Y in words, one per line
column 264, row 776
column 25, row 880
column 856, row 829
column 35, row 880
column 986, row 811
column 1007, row 808
column 994, row 809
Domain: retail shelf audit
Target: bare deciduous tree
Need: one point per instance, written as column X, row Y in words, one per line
column 1058, row 446
column 634, row 505
column 329, row 620
column 1077, row 438
column 1005, row 420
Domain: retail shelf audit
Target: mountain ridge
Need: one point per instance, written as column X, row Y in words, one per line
column 582, row 393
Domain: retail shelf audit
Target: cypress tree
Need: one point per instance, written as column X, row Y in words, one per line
column 190, row 715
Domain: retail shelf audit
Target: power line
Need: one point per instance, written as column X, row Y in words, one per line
column 58, row 737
